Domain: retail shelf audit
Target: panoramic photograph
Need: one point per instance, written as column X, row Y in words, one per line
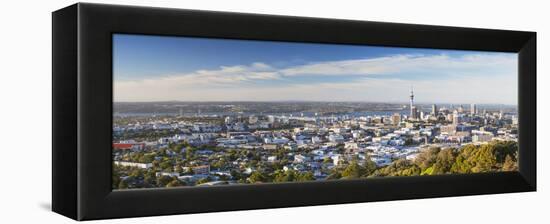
column 197, row 112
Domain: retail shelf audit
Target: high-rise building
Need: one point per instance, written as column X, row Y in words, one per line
column 473, row 108
column 396, row 118
column 434, row 109
column 449, row 117
column 461, row 109
column 456, row 118
column 414, row 112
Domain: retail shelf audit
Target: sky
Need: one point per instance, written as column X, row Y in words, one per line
column 162, row 68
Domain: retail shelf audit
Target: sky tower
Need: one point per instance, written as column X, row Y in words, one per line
column 413, row 109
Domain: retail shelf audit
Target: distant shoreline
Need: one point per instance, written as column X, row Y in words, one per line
column 312, row 101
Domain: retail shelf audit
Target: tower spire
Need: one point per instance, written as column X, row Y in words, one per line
column 412, row 107
column 412, row 96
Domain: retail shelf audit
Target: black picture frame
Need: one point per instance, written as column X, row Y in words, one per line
column 82, row 110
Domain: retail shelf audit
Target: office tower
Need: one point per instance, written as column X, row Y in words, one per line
column 473, row 108
column 396, row 118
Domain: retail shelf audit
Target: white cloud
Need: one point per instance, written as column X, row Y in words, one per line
column 396, row 64
column 479, row 78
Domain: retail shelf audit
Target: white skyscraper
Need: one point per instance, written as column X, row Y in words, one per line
column 434, row 109
column 473, row 108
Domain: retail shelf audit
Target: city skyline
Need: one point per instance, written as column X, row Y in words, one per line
column 151, row 68
column 209, row 144
column 402, row 103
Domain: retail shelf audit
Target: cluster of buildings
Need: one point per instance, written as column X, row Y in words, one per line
column 316, row 144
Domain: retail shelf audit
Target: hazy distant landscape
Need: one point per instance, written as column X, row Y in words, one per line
column 321, row 108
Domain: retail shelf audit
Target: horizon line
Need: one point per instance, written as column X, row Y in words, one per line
column 303, row 101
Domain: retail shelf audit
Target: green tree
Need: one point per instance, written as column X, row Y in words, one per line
column 149, row 180
column 162, row 181
column 484, row 159
column 504, row 149
column 147, row 158
column 509, row 164
column 306, row 176
column 190, row 153
column 123, row 185
column 257, row 177
column 369, row 165
column 400, row 167
column 136, row 172
column 178, row 168
column 409, row 141
column 174, row 183
column 428, row 171
column 235, row 174
column 444, row 161
column 489, row 157
column 334, row 176
column 203, row 180
column 115, row 176
column 413, row 170
column 166, row 165
column 427, row 158
column 353, row 170
column 286, row 176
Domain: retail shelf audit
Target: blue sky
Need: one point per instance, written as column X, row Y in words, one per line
column 158, row 68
